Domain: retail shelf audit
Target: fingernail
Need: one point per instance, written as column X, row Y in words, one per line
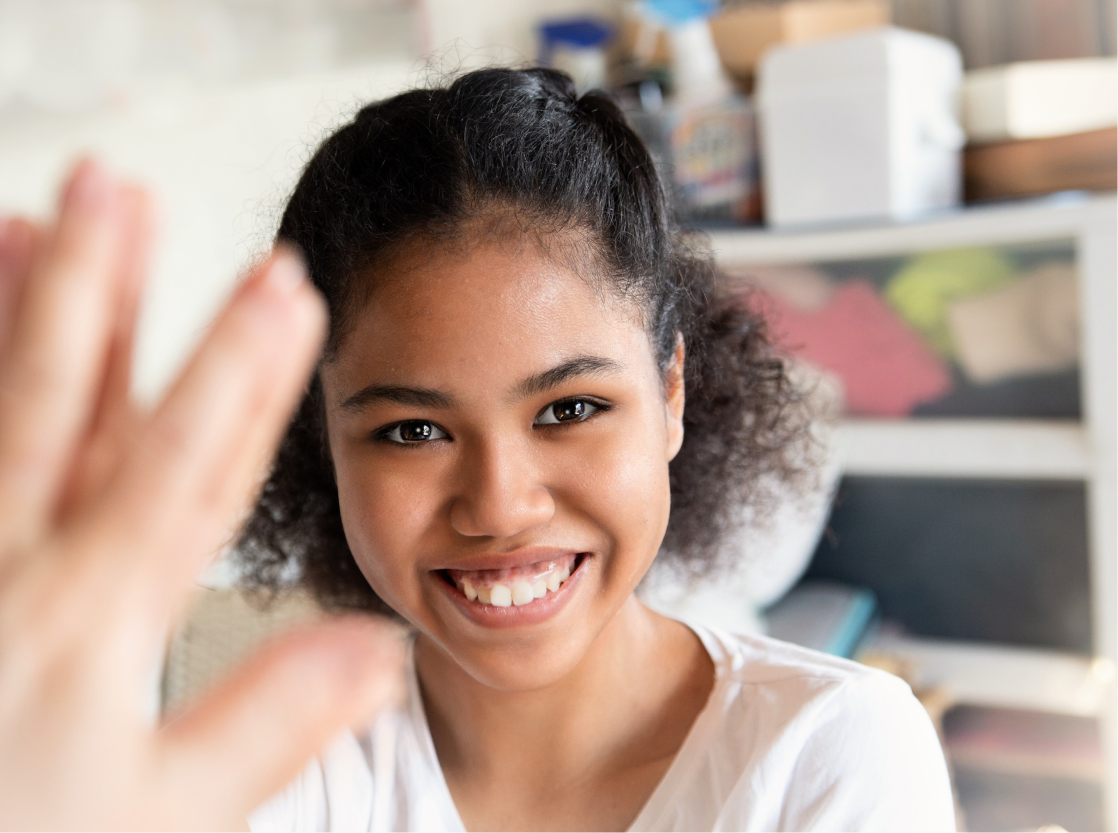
column 90, row 187
column 286, row 274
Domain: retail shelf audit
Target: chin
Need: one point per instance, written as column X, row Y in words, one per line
column 519, row 668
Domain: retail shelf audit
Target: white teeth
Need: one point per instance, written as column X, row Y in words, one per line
column 500, row 596
column 522, row 593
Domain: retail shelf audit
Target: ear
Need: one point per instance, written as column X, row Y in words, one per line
column 674, row 399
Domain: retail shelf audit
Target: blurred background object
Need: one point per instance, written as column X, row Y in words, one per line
column 862, row 126
column 224, row 627
column 710, row 154
column 1038, row 99
column 1035, row 167
column 745, row 31
column 1041, row 126
column 971, row 542
column 577, row 46
column 681, row 101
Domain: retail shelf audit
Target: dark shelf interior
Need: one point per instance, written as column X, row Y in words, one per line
column 998, row 561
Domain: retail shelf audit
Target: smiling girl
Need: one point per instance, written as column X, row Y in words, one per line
column 526, row 394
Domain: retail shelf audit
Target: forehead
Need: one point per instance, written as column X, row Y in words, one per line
column 486, row 311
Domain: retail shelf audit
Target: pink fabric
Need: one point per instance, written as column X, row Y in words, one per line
column 885, row 368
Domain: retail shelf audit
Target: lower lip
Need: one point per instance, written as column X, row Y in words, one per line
column 513, row 616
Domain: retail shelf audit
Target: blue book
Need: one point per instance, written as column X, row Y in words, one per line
column 823, row 615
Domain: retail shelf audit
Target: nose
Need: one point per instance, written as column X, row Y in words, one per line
column 500, row 493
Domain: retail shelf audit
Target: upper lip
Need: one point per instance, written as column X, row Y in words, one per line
column 507, row 560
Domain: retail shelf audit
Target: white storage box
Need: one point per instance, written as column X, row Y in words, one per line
column 1037, row 99
column 860, row 127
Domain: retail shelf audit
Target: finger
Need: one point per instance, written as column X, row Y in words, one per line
column 190, row 469
column 287, row 704
column 138, row 214
column 116, row 419
column 50, row 377
column 18, row 240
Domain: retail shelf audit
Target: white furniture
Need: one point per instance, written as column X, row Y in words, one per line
column 1002, row 449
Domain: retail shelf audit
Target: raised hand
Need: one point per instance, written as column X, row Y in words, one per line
column 107, row 512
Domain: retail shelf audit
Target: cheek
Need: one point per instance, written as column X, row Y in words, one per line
column 626, row 491
column 385, row 516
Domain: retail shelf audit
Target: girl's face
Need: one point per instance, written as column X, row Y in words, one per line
column 495, row 421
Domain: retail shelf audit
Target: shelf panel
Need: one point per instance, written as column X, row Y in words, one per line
column 965, row 448
column 982, row 674
column 1024, row 221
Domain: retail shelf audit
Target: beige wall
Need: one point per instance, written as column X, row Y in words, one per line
column 221, row 163
column 478, row 31
column 222, row 148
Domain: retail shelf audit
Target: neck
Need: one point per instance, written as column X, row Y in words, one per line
column 608, row 714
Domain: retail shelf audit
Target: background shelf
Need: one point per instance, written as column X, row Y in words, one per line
column 1046, row 475
column 983, row 674
column 1041, row 219
column 1007, row 449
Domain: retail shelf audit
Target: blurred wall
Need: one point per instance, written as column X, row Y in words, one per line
column 990, row 32
column 221, row 163
column 478, row 31
column 216, row 104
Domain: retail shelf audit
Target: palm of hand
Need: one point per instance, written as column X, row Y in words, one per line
column 106, row 514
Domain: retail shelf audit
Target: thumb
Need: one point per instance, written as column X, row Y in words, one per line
column 253, row 734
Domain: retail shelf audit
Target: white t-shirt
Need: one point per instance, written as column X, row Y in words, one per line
column 790, row 739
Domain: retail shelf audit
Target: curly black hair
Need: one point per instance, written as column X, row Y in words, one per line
column 422, row 166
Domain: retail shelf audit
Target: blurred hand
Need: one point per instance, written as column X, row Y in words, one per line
column 108, row 512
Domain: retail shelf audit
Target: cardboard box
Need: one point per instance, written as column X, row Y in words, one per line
column 628, row 46
column 1031, row 167
column 742, row 33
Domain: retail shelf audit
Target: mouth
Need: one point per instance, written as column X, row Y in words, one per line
column 524, row 585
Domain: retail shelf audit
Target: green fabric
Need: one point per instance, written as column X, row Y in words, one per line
column 925, row 286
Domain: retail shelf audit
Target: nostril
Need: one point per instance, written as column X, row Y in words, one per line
column 501, row 514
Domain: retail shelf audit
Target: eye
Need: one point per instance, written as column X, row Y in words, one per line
column 411, row 432
column 568, row 410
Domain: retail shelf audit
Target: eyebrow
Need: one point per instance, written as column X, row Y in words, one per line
column 580, row 366
column 532, row 386
column 415, row 397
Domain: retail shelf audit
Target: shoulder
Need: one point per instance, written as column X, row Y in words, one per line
column 759, row 662
column 796, row 683
column 823, row 742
